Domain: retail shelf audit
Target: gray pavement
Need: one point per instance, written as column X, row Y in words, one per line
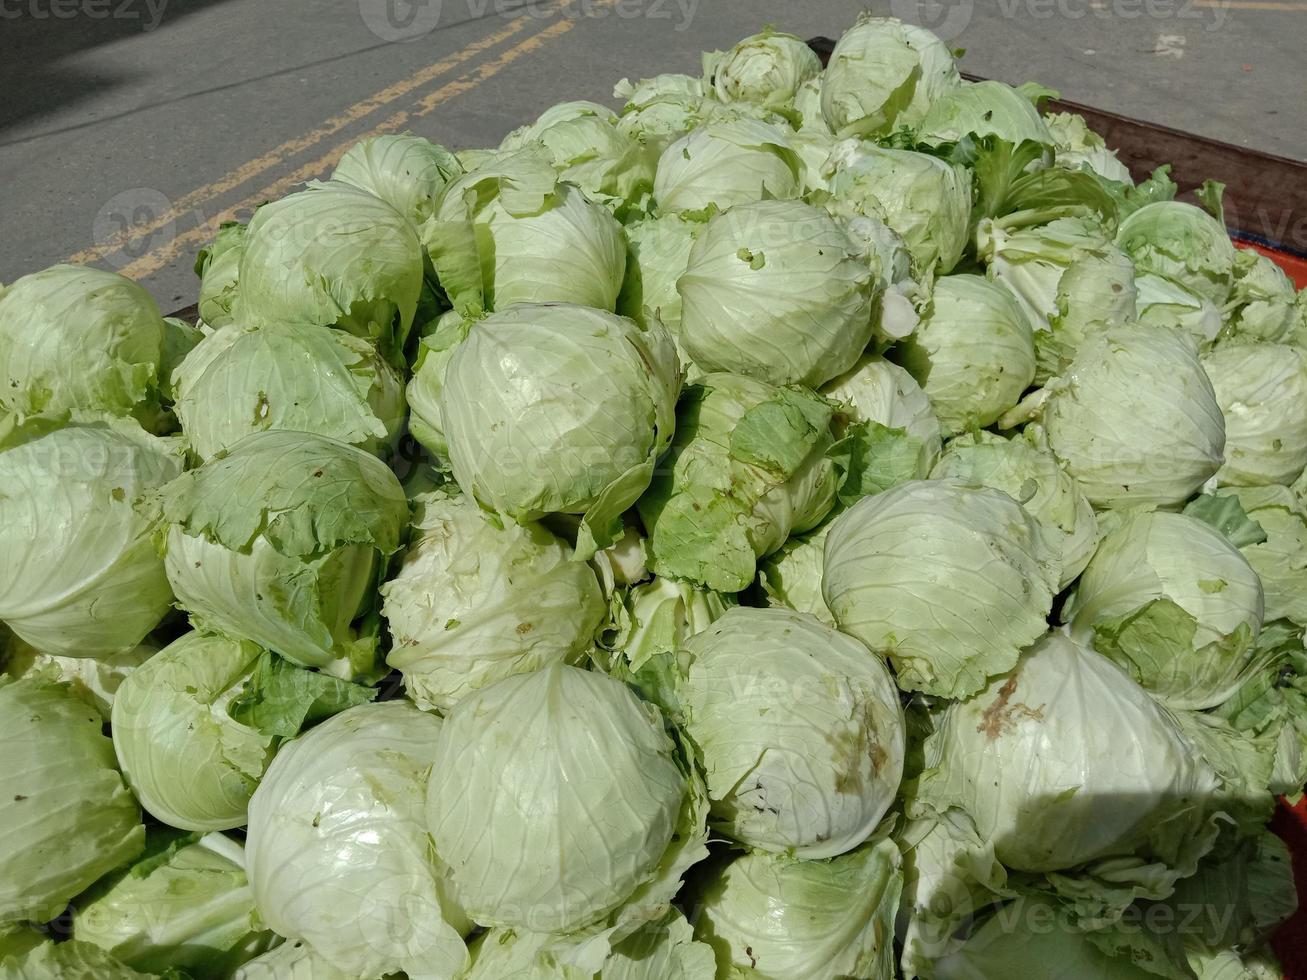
column 170, row 115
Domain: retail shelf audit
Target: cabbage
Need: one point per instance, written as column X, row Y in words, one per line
column 658, row 251
column 428, row 380
column 1262, row 391
column 924, row 199
column 987, row 108
column 1070, row 279
column 474, row 603
column 1135, row 419
column 947, row 581
column 187, row 760
column 1281, row 560
column 973, row 354
column 542, row 826
column 766, row 68
column 511, row 233
column 747, row 469
column 82, row 576
column 645, row 642
column 67, row 817
column 337, row 849
column 72, row 960
column 186, row 905
column 778, row 291
column 1064, row 761
column 1164, row 302
column 664, row 950
column 287, row 376
column 879, row 393
column 884, row 73
column 798, row 728
column 406, row 171
column 1079, row 147
column 218, row 266
column 1172, row 601
column 820, row 920
column 332, row 255
column 588, row 149
column 791, row 576
column 1032, row 477
column 1262, row 306
column 1182, row 242
column 729, row 161
column 75, row 340
column 279, row 542
column 289, row 961
column 1033, row 937
column 589, row 393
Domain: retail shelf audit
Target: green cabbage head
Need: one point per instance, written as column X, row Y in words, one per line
column 1135, row 419
column 798, row 729
column 406, row 171
column 239, row 380
column 332, row 255
column 67, row 817
column 75, row 340
column 337, row 850
column 974, row 353
column 475, row 602
column 747, row 469
column 947, row 581
column 1065, row 760
column 777, row 291
column 543, row 827
column 766, row 68
column 1171, row 600
column 884, row 73
column 735, row 159
column 1262, row 391
column 81, row 575
column 560, row 409
column 280, row 542
column 775, row 916
column 1032, row 477
column 923, row 198
column 1182, row 242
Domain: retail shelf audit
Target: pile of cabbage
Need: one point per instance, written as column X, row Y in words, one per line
column 805, row 524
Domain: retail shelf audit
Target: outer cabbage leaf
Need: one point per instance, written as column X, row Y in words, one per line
column 186, row 905
column 218, row 266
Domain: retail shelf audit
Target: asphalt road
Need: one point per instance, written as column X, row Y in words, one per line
column 130, row 128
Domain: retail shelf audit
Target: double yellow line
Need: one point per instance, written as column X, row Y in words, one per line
column 202, row 198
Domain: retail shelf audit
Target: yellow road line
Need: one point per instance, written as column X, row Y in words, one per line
column 1300, row 8
column 157, row 258
column 196, row 199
